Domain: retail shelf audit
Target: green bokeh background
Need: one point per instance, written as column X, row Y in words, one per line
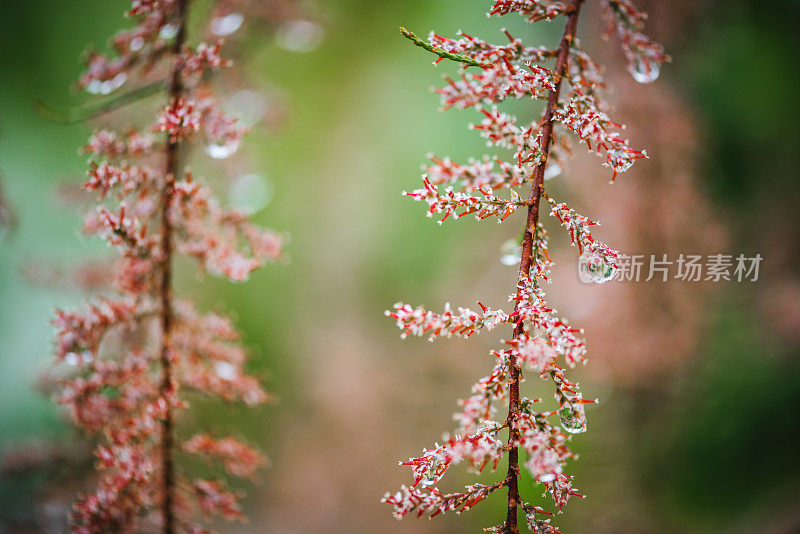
column 711, row 448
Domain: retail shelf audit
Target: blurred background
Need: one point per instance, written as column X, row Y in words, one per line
column 699, row 384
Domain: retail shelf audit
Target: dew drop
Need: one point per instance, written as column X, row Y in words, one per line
column 645, row 71
column 552, row 170
column 573, row 416
column 226, row 24
column 137, row 43
column 168, row 31
column 429, row 478
column 75, row 358
column 547, row 477
column 97, row 87
column 592, row 268
column 250, row 193
column 251, row 398
column 511, row 252
column 247, row 106
column 620, row 161
column 299, row 35
column 225, row 370
column 224, row 150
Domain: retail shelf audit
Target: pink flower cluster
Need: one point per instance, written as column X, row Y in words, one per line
column 541, row 339
column 420, row 322
column 578, row 227
column 212, row 235
column 583, row 116
column 535, row 10
column 494, row 84
column 450, row 202
column 478, row 449
column 137, row 51
column 126, row 363
column 434, row 502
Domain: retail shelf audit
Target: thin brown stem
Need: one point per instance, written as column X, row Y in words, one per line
column 527, row 258
column 176, row 89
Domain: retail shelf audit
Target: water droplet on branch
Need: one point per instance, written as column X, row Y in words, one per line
column 644, row 71
column 168, row 31
column 97, row 87
column 552, row 170
column 573, row 417
column 222, row 150
column 299, row 35
column 593, row 268
column 511, row 252
column 247, row 106
column 226, row 24
column 250, row 193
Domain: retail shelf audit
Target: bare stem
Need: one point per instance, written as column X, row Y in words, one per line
column 527, row 257
column 90, row 111
column 438, row 51
column 176, row 89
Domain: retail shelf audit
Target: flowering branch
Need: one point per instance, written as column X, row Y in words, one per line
column 540, row 338
column 128, row 361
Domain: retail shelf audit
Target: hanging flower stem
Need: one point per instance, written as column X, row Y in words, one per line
column 542, row 341
column 125, row 361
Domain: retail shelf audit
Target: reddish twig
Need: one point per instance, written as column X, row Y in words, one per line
column 527, row 258
column 172, row 167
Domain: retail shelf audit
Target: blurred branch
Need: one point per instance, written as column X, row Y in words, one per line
column 438, row 51
column 8, row 219
column 81, row 113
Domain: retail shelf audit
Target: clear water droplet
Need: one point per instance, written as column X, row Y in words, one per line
column 644, row 71
column 97, row 87
column 299, row 35
column 573, row 416
column 137, row 43
column 226, row 24
column 223, row 150
column 251, row 398
column 511, row 252
column 225, row 370
column 75, row 358
column 552, row 170
column 619, row 160
column 592, row 268
column 247, row 106
column 250, row 193
column 429, row 479
column 168, row 31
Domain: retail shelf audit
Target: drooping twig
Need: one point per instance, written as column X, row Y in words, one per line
column 542, row 341
column 151, row 210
